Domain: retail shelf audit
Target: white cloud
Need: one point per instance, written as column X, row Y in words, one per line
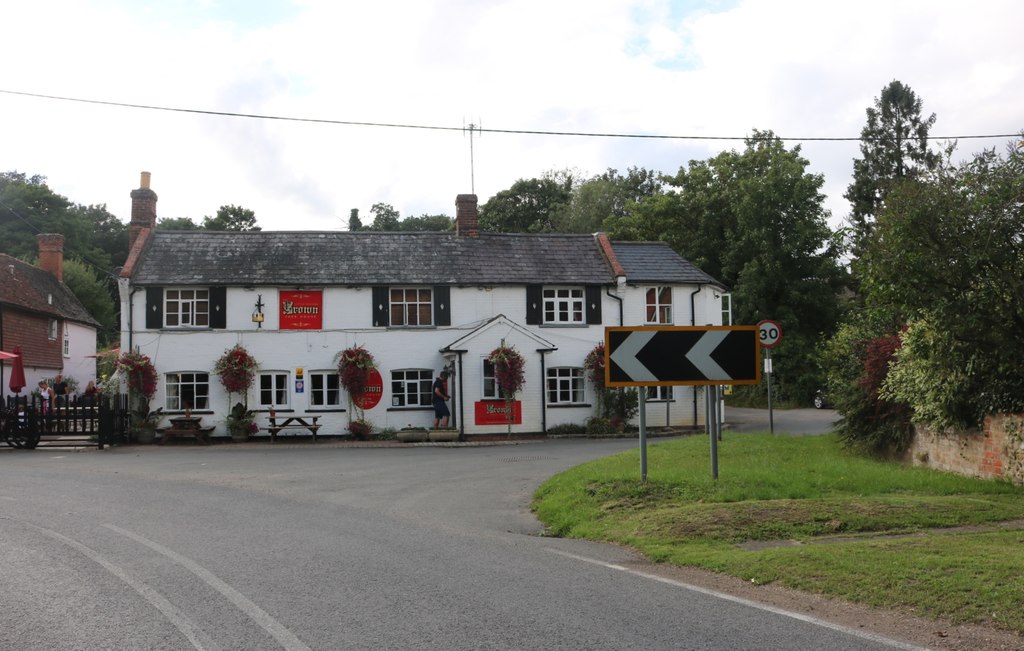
column 797, row 67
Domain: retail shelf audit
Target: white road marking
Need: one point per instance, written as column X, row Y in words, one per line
column 195, row 635
column 896, row 644
column 262, row 618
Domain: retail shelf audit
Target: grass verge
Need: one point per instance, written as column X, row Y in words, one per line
column 872, row 532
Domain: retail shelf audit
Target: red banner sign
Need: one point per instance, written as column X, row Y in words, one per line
column 302, row 310
column 372, row 392
column 495, row 412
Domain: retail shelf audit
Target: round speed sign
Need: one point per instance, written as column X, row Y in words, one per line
column 770, row 333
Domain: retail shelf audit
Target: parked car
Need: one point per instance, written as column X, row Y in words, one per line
column 821, row 400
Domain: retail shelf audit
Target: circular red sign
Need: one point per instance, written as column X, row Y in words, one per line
column 372, row 393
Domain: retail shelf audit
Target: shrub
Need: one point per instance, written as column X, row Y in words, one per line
column 360, row 429
column 567, row 429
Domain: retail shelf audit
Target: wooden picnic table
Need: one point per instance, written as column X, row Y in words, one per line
column 295, row 422
column 186, row 426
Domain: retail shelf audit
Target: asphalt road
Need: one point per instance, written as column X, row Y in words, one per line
column 329, row 547
column 798, row 422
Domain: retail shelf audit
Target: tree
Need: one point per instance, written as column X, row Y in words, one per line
column 606, row 195
column 231, row 218
column 529, row 206
column 177, row 224
column 894, row 146
column 948, row 256
column 428, row 223
column 756, row 221
column 354, row 223
column 385, row 218
column 94, row 294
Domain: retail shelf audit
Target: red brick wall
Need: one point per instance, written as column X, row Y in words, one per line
column 32, row 334
column 995, row 452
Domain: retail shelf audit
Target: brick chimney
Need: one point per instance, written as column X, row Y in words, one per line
column 51, row 253
column 467, row 222
column 143, row 210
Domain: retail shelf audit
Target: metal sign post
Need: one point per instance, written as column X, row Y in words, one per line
column 770, row 334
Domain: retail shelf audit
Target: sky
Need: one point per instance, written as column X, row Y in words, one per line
column 327, row 70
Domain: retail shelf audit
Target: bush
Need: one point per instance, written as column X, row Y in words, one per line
column 601, row 426
column 567, row 429
column 360, row 429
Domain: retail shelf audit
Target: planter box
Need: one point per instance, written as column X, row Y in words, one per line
column 439, row 435
column 412, row 435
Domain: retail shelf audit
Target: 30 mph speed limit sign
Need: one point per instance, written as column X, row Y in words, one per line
column 770, row 333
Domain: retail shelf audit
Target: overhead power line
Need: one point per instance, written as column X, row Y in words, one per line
column 393, row 125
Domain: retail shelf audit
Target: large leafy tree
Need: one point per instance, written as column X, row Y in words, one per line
column 755, row 220
column 385, row 218
column 93, row 287
column 177, row 224
column 529, row 206
column 231, row 218
column 948, row 255
column 427, row 223
column 609, row 194
column 894, row 146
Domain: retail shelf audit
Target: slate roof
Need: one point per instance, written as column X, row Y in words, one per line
column 368, row 258
column 656, row 262
column 30, row 288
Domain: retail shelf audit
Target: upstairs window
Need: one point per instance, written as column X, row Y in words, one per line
column 67, row 341
column 51, row 330
column 489, row 391
column 659, row 306
column 564, row 305
column 726, row 309
column 187, row 308
column 411, row 306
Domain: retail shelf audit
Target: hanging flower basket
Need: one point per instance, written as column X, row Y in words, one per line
column 354, row 366
column 508, row 370
column 139, row 373
column 236, row 369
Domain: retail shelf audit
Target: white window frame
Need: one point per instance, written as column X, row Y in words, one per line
column 51, row 331
column 412, row 306
column 727, row 309
column 198, row 381
column 566, row 385
column 564, row 305
column 274, row 389
column 191, row 307
column 660, row 394
column 658, row 306
column 324, row 389
column 412, row 387
column 488, row 381
column 67, row 341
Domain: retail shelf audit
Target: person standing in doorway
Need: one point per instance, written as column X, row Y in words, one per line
column 441, row 398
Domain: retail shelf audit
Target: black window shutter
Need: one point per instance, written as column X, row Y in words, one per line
column 381, row 307
column 219, row 307
column 534, row 304
column 154, row 308
column 593, row 296
column 442, row 305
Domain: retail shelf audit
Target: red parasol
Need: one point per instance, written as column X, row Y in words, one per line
column 17, row 382
column 4, row 355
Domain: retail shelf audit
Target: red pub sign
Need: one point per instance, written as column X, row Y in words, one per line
column 495, row 412
column 302, row 310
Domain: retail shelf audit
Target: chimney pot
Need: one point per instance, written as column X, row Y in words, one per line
column 144, row 183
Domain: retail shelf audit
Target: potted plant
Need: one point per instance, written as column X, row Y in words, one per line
column 241, row 422
column 508, row 374
column 360, row 429
column 412, row 434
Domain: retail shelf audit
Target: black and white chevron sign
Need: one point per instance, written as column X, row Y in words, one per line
column 664, row 355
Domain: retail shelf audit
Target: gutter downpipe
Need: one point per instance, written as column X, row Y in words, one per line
column 693, row 322
column 462, row 425
column 609, row 294
column 543, row 394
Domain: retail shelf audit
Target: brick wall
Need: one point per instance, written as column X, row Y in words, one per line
column 32, row 334
column 995, row 452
